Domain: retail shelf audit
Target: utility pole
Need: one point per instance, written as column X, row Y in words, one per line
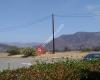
column 53, row 32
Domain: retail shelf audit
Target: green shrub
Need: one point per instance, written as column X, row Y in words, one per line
column 27, row 51
column 86, row 50
column 69, row 70
column 13, row 51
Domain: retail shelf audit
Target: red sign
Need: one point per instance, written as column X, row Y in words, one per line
column 40, row 50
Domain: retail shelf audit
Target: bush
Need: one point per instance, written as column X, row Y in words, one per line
column 13, row 51
column 27, row 51
column 69, row 70
column 86, row 50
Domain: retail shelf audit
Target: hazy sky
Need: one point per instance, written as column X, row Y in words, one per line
column 18, row 18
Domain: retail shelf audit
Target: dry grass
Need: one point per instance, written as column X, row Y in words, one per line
column 69, row 54
column 3, row 55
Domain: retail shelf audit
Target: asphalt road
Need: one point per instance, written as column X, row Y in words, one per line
column 14, row 63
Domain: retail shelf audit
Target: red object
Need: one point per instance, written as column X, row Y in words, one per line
column 40, row 50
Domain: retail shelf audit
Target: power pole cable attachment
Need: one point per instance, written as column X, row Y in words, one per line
column 53, row 32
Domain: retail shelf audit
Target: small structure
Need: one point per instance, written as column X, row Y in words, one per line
column 40, row 50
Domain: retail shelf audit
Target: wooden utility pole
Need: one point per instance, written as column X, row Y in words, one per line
column 53, row 31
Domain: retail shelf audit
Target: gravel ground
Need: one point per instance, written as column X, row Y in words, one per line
column 14, row 63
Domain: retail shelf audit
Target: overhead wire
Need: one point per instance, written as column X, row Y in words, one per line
column 4, row 29
column 10, row 28
column 56, row 15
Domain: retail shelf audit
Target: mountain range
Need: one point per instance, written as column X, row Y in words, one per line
column 76, row 41
column 19, row 44
column 6, row 46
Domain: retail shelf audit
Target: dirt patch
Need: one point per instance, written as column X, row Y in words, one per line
column 70, row 54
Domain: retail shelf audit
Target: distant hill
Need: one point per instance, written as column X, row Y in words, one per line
column 77, row 41
column 17, row 44
column 4, row 47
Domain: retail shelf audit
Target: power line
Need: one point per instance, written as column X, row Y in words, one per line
column 4, row 29
column 74, row 15
column 25, row 25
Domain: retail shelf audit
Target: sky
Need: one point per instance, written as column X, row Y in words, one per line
column 30, row 20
